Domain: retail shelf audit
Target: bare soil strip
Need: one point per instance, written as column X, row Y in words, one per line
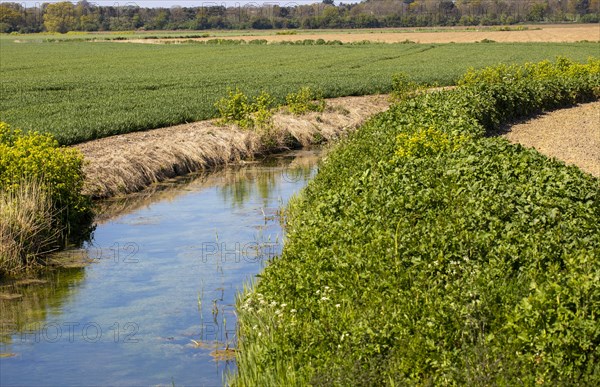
column 133, row 161
column 556, row 33
column 571, row 135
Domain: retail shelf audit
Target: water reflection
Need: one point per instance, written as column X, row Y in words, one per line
column 240, row 182
column 235, row 183
column 25, row 304
column 155, row 305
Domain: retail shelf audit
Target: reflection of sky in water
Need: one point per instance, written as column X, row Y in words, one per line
column 142, row 292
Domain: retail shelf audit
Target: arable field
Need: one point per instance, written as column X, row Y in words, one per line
column 80, row 91
column 506, row 34
column 540, row 33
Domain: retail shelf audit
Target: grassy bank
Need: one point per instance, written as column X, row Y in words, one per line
column 83, row 90
column 425, row 252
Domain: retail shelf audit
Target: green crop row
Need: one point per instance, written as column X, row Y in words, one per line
column 80, row 91
column 426, row 253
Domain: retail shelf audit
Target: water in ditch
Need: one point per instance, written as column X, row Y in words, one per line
column 154, row 302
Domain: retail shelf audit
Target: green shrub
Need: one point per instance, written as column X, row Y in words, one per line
column 402, row 87
column 424, row 252
column 304, row 101
column 235, row 108
column 256, row 112
column 247, row 113
column 425, row 142
column 519, row 91
column 38, row 156
column 36, row 159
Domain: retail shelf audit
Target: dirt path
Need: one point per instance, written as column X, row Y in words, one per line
column 571, row 135
column 537, row 33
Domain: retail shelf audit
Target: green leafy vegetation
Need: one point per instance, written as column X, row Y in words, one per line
column 304, row 101
column 424, row 252
column 235, row 108
column 80, row 91
column 40, row 197
column 256, row 112
column 403, row 87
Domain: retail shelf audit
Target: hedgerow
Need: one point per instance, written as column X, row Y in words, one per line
column 425, row 252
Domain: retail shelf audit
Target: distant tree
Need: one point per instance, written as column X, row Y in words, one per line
column 537, row 12
column 10, row 18
column 87, row 16
column 89, row 23
column 160, row 21
column 579, row 7
column 261, row 23
column 446, row 5
column 60, row 17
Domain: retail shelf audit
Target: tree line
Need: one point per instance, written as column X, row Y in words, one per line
column 85, row 16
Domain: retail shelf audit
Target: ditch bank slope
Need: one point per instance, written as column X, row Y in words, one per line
column 130, row 162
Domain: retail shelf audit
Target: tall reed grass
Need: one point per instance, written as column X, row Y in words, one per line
column 27, row 229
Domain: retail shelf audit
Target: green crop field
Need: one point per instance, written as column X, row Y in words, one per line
column 84, row 90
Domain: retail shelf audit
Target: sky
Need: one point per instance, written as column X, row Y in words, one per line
column 183, row 3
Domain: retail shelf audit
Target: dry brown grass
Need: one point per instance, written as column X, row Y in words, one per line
column 26, row 228
column 130, row 162
column 536, row 33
